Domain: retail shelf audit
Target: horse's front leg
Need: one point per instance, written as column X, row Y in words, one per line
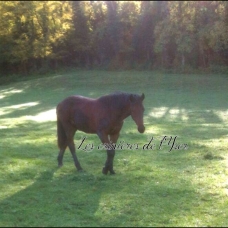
column 110, row 152
column 104, row 139
column 109, row 162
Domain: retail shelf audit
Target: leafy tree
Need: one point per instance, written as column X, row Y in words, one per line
column 98, row 34
column 80, row 35
column 39, row 35
column 128, row 14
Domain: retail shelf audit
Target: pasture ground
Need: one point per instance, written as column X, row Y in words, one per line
column 152, row 187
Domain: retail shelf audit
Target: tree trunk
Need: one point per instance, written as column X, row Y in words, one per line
column 182, row 60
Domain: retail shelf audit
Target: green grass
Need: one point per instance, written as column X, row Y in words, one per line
column 151, row 188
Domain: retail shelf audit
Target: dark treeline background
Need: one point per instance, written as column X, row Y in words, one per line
column 38, row 36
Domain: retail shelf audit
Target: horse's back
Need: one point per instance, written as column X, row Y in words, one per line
column 91, row 115
column 75, row 101
column 79, row 111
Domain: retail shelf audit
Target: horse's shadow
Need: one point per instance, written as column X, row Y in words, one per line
column 65, row 197
column 52, row 193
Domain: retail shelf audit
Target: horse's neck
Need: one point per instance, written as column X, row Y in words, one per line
column 124, row 113
column 120, row 109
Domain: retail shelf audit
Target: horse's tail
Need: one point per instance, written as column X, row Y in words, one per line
column 61, row 134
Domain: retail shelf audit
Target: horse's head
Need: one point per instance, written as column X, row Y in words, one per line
column 137, row 110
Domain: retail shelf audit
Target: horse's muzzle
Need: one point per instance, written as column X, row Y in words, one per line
column 141, row 129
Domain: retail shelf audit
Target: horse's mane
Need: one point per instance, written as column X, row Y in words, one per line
column 115, row 100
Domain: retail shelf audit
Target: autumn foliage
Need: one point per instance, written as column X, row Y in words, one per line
column 37, row 36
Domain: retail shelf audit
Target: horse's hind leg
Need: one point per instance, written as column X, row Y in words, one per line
column 66, row 138
column 70, row 144
column 73, row 152
column 60, row 156
column 62, row 141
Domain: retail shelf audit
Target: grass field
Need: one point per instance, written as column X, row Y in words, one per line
column 154, row 187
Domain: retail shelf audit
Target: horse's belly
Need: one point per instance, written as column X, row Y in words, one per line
column 83, row 123
column 85, row 128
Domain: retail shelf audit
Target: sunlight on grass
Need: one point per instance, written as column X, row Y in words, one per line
column 13, row 172
column 152, row 129
column 9, row 189
column 222, row 114
column 7, row 92
column 158, row 112
column 11, row 108
column 12, row 122
column 46, row 116
column 215, row 143
column 171, row 114
column 152, row 187
column 11, row 91
column 184, row 114
column 49, row 115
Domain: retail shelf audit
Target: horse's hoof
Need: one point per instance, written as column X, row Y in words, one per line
column 80, row 170
column 112, row 172
column 60, row 165
column 104, row 171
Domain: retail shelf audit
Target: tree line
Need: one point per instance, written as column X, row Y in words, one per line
column 43, row 35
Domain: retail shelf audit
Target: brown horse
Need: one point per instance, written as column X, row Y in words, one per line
column 103, row 116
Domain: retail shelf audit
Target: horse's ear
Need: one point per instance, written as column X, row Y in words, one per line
column 143, row 96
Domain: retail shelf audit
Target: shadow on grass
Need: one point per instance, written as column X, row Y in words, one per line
column 84, row 199
column 187, row 108
column 63, row 197
column 205, row 127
